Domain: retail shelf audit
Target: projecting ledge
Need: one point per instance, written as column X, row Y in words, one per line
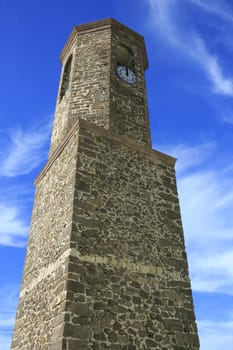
column 129, row 142
column 122, row 139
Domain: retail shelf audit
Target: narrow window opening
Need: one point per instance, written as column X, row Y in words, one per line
column 66, row 77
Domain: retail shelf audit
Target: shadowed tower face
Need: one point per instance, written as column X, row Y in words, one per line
column 106, row 266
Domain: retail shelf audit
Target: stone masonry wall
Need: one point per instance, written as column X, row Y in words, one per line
column 106, row 266
column 42, row 299
column 95, row 93
column 128, row 106
column 88, row 94
column 128, row 284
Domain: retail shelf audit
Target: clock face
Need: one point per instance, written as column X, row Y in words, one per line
column 126, row 74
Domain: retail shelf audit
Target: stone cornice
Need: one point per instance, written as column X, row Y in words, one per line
column 100, row 25
column 129, row 142
column 124, row 140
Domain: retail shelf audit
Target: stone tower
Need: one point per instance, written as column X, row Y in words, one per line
column 106, row 266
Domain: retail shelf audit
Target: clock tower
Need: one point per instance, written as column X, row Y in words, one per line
column 106, row 266
column 103, row 81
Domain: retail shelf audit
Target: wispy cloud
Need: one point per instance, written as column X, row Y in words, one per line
column 227, row 117
column 221, row 84
column 218, row 8
column 215, row 335
column 206, row 198
column 207, row 205
column 166, row 18
column 13, row 230
column 8, row 303
column 21, row 153
column 211, row 271
column 24, row 151
column 190, row 156
column 5, row 340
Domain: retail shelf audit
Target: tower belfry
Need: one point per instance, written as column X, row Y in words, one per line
column 106, row 266
column 103, row 81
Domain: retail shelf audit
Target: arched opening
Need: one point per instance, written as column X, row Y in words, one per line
column 66, row 77
column 125, row 57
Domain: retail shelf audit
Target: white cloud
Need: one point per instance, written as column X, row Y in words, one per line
column 25, row 151
column 206, row 202
column 166, row 19
column 7, row 322
column 212, row 271
column 190, row 156
column 227, row 117
column 8, row 303
column 220, row 9
column 206, row 199
column 215, row 335
column 220, row 84
column 5, row 340
column 13, row 230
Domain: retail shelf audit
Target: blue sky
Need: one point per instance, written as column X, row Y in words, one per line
column 190, row 93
